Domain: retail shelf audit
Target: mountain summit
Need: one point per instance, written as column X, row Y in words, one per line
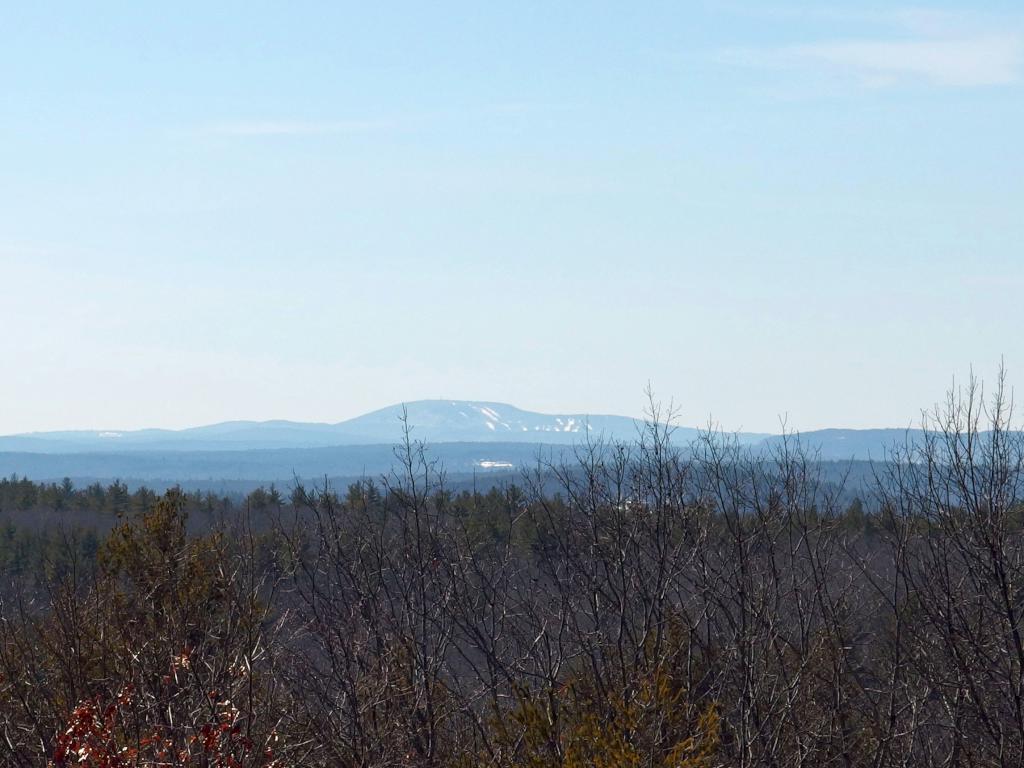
column 475, row 421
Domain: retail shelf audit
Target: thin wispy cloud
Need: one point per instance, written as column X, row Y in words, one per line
column 294, row 127
column 938, row 22
column 934, row 48
column 968, row 62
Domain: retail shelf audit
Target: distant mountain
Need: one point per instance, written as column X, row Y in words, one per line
column 467, row 437
column 844, row 444
column 474, row 421
column 440, row 421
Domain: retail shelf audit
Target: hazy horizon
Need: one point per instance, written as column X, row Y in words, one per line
column 680, row 420
column 253, row 211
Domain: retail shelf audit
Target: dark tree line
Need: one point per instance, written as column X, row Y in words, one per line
column 659, row 607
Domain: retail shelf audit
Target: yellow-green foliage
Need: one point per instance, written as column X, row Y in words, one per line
column 651, row 724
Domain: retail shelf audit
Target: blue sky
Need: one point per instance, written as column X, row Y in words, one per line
column 309, row 210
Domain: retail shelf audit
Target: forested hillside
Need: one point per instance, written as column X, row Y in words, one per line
column 635, row 606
